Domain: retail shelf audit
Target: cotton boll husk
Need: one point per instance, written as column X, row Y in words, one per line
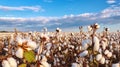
column 106, row 52
column 96, row 44
column 84, row 53
column 5, row 63
column 102, row 61
column 109, row 54
column 99, row 57
column 19, row 53
column 12, row 62
column 116, row 65
column 32, row 44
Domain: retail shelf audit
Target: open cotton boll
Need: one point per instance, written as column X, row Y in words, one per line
column 74, row 65
column 97, row 26
column 109, row 54
column 107, row 61
column 100, row 50
column 5, row 63
column 116, row 65
column 99, row 57
column 28, row 49
column 102, row 61
column 12, row 62
column 19, row 53
column 96, row 44
column 104, row 45
column 45, row 64
column 84, row 53
column 89, row 28
column 32, row 44
column 44, row 58
column 84, row 45
column 106, row 52
column 48, row 53
column 19, row 40
column 48, row 45
column 6, row 49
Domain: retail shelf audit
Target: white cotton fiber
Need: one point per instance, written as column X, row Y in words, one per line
column 19, row 53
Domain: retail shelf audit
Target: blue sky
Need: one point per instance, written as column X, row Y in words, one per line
column 26, row 15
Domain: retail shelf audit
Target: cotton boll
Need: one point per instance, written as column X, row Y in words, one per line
column 45, row 64
column 84, row 53
column 74, row 65
column 6, row 49
column 109, row 54
column 100, row 50
column 84, row 45
column 104, row 45
column 59, row 48
column 28, row 49
column 102, row 61
column 107, row 61
column 44, row 58
column 97, row 26
column 99, row 57
column 116, row 65
column 48, row 45
column 89, row 28
column 19, row 41
column 96, row 44
column 12, row 62
column 19, row 53
column 106, row 52
column 5, row 63
column 32, row 44
column 111, row 47
column 48, row 53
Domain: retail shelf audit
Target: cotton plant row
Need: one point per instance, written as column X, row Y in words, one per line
column 58, row 49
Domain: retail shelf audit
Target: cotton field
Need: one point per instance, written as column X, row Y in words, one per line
column 61, row 49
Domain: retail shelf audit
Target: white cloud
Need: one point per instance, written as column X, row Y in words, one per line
column 111, row 11
column 111, row 1
column 110, row 15
column 22, row 8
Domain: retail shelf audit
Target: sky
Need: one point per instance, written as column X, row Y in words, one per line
column 34, row 15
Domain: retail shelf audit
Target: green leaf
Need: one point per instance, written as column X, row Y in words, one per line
column 22, row 65
column 29, row 56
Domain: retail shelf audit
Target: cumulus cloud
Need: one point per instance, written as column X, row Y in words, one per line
column 111, row 1
column 22, row 8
